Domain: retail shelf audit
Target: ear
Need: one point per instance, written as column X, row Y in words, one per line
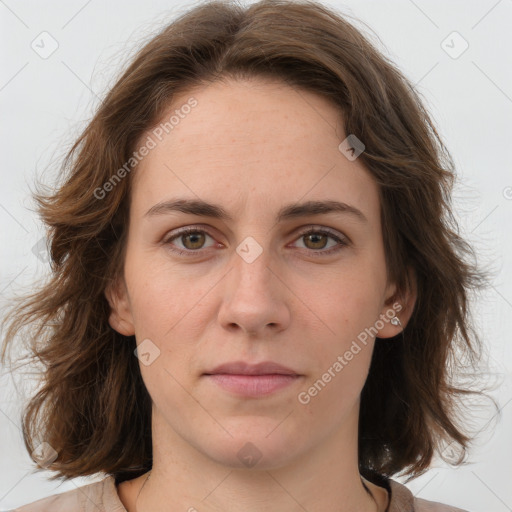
column 402, row 306
column 120, row 318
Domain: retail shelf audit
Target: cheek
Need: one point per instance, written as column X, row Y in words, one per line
column 162, row 295
column 348, row 309
column 347, row 305
column 343, row 349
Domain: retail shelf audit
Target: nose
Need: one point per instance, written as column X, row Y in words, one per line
column 255, row 299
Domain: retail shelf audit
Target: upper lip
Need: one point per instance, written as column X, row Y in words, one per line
column 243, row 368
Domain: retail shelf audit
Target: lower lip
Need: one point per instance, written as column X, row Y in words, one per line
column 253, row 385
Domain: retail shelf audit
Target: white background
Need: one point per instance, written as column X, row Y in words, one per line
column 45, row 102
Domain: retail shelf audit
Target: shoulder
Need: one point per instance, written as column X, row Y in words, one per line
column 403, row 500
column 96, row 497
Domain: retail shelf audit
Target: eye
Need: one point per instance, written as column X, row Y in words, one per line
column 192, row 240
column 316, row 239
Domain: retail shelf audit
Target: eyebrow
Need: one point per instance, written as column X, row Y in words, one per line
column 291, row 211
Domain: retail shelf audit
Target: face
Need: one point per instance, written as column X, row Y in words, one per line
column 251, row 285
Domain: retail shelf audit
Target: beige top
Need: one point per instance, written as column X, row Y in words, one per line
column 102, row 497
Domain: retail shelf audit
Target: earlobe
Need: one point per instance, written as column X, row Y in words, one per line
column 398, row 309
column 120, row 318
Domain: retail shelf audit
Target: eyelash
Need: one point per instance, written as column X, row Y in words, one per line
column 311, row 230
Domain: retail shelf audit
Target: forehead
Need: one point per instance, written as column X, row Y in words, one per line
column 250, row 138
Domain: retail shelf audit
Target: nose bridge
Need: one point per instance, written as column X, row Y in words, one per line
column 252, row 295
column 251, row 266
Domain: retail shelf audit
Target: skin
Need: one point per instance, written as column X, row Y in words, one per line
column 253, row 146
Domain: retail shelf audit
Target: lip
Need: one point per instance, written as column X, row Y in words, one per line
column 243, row 368
column 253, row 385
column 253, row 380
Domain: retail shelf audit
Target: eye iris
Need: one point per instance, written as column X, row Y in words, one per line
column 195, row 244
column 313, row 236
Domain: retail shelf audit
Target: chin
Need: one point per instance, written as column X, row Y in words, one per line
column 256, row 447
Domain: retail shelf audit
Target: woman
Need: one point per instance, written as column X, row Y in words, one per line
column 258, row 287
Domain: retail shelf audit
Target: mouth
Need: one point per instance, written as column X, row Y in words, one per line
column 252, row 380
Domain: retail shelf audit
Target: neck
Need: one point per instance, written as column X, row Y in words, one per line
column 326, row 478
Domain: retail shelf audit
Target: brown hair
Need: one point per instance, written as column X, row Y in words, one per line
column 93, row 407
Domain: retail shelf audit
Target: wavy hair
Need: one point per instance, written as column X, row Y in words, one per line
column 92, row 407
